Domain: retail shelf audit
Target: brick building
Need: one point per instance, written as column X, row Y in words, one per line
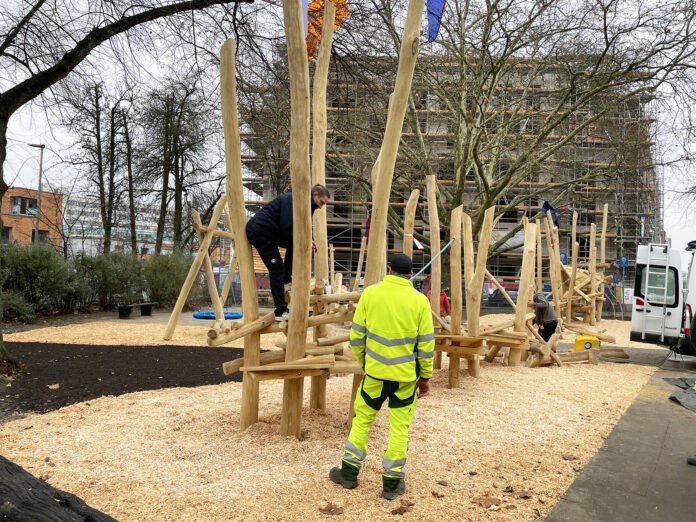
column 19, row 206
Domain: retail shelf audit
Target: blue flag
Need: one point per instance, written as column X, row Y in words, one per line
column 435, row 8
column 546, row 207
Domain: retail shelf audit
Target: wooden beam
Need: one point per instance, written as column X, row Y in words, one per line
column 602, row 261
column 525, row 286
column 288, row 375
column 436, row 266
column 246, row 329
column 361, row 256
column 298, row 70
column 317, row 397
column 571, row 286
column 274, row 356
column 193, row 272
column 409, row 220
column 593, row 272
column 236, row 210
column 328, row 341
column 208, row 269
column 539, row 264
column 456, row 289
column 331, row 298
column 384, row 174
column 475, row 285
column 502, row 290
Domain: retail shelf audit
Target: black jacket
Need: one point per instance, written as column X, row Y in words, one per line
column 275, row 219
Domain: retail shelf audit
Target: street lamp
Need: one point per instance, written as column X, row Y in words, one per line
column 38, row 196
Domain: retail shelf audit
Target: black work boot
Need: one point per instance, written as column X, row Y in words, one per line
column 398, row 491
column 691, row 460
column 336, row 475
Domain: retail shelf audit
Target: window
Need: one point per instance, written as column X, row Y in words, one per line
column 6, row 234
column 23, row 206
column 144, row 251
column 43, row 236
column 655, row 287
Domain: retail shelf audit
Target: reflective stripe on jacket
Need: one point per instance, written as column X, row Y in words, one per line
column 392, row 331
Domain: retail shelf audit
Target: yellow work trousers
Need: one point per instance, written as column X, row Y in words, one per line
column 368, row 401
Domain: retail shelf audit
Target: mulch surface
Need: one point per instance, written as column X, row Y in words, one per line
column 84, row 372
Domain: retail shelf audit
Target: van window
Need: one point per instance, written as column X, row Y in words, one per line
column 655, row 293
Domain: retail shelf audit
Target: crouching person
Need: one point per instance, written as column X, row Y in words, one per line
column 544, row 316
column 392, row 338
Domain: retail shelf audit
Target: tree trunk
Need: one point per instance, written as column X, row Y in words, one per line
column 4, row 354
column 166, row 162
column 100, row 164
column 178, row 192
column 108, row 224
column 131, row 195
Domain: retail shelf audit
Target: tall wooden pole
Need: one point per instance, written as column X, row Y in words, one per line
column 456, row 289
column 436, row 266
column 409, row 221
column 235, row 209
column 376, row 250
column 361, row 257
column 524, row 291
column 539, row 264
column 602, row 262
column 301, row 213
column 475, row 286
column 591, row 310
column 317, row 396
column 571, row 287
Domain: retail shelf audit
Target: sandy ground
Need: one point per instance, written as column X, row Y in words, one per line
column 130, row 333
column 178, row 454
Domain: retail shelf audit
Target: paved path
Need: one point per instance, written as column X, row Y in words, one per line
column 640, row 473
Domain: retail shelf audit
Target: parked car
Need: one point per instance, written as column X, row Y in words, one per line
column 497, row 300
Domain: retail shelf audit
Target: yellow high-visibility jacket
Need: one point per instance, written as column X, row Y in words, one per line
column 392, row 335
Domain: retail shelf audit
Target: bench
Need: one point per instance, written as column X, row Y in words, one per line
column 124, row 311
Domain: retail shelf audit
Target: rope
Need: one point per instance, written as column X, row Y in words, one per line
column 433, row 259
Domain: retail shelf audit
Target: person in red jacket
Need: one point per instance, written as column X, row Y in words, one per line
column 444, row 303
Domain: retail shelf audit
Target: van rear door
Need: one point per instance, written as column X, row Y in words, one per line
column 656, row 314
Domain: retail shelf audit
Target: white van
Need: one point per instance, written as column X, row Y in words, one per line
column 664, row 296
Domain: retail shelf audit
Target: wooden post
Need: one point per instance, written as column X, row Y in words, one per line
column 436, row 266
column 523, row 293
column 301, row 214
column 409, row 220
column 474, row 285
column 590, row 314
column 602, row 262
column 456, row 289
column 540, row 281
column 571, row 287
column 317, row 397
column 193, row 272
column 408, row 53
column 553, row 274
column 358, row 272
column 237, row 214
column 332, row 266
column 208, row 268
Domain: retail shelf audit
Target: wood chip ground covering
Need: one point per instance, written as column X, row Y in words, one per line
column 142, row 334
column 515, row 434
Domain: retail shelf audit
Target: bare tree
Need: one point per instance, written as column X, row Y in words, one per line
column 42, row 42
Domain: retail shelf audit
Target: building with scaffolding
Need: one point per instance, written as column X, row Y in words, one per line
column 593, row 150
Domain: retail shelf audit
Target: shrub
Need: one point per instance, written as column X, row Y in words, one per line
column 36, row 273
column 15, row 307
column 165, row 275
column 117, row 278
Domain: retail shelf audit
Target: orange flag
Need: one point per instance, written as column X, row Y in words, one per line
column 316, row 22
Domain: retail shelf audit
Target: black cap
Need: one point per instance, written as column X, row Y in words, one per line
column 401, row 264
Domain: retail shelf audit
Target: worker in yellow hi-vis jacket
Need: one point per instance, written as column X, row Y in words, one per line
column 392, row 338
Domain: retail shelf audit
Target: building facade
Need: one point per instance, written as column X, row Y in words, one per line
column 588, row 160
column 19, row 212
